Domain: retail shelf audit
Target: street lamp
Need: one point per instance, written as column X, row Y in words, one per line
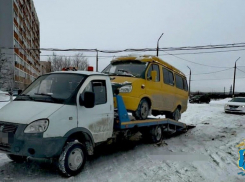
column 97, row 60
column 234, row 79
column 158, row 43
column 189, row 81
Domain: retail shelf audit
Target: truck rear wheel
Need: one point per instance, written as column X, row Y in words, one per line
column 153, row 134
column 72, row 159
column 156, row 134
column 17, row 158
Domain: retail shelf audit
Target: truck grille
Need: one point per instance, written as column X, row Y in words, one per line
column 5, row 147
column 8, row 127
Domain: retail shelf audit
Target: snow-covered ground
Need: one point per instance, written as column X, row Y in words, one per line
column 205, row 153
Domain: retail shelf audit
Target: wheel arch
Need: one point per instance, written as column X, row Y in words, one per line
column 81, row 134
column 148, row 100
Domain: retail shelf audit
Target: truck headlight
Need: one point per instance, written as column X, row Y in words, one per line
column 126, row 89
column 38, row 126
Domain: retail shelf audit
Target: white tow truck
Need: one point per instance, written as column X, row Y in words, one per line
column 64, row 115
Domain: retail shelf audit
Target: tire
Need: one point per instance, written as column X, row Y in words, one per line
column 17, row 158
column 72, row 159
column 176, row 115
column 156, row 134
column 143, row 110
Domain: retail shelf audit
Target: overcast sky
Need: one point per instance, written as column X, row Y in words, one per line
column 114, row 24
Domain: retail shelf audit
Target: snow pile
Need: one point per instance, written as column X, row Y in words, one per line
column 3, row 104
column 205, row 153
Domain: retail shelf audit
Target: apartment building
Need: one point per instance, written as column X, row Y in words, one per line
column 20, row 43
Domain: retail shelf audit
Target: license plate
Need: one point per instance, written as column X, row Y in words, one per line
column 232, row 109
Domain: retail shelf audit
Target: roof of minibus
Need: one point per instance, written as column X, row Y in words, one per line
column 148, row 58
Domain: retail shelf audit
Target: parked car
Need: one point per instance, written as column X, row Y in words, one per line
column 235, row 105
column 4, row 96
column 156, row 86
column 200, row 99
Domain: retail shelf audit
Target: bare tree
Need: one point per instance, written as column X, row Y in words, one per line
column 80, row 61
column 58, row 62
column 6, row 73
column 2, row 60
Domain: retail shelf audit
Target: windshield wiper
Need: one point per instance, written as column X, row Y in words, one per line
column 20, row 97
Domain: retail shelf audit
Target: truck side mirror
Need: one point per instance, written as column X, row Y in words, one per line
column 154, row 76
column 88, row 101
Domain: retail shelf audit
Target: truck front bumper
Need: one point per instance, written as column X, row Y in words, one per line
column 33, row 145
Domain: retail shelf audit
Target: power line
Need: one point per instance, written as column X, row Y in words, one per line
column 212, row 72
column 204, row 52
column 220, row 46
column 197, row 63
column 240, row 70
column 220, row 79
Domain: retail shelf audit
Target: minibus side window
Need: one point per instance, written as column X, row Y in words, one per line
column 153, row 67
column 156, row 68
column 149, row 73
column 179, row 82
column 185, row 84
column 168, row 77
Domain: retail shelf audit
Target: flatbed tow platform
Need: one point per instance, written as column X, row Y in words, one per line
column 124, row 122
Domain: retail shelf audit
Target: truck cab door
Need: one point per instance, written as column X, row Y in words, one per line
column 99, row 119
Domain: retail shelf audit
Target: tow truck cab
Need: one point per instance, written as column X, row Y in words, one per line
column 56, row 108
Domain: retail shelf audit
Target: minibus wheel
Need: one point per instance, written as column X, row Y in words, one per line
column 72, row 159
column 143, row 110
column 176, row 114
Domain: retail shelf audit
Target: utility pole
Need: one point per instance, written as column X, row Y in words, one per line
column 234, row 79
column 97, row 61
column 224, row 90
column 189, row 82
column 158, row 43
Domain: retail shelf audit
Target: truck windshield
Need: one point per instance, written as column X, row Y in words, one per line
column 54, row 88
column 126, row 68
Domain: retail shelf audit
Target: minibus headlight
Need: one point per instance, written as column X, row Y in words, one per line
column 126, row 89
column 38, row 126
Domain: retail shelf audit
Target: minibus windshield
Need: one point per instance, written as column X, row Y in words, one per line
column 126, row 68
column 55, row 88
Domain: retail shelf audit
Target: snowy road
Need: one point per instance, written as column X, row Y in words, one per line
column 205, row 153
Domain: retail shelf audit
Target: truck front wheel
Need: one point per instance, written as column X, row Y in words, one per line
column 72, row 159
column 17, row 158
